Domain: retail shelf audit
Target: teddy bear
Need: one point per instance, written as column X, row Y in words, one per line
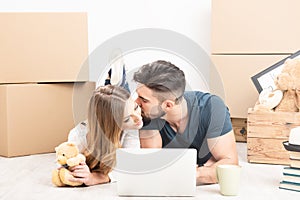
column 67, row 155
column 288, row 81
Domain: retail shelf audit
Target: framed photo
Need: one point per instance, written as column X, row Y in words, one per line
column 265, row 79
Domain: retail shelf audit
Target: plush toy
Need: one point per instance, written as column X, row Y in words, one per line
column 67, row 155
column 268, row 100
column 288, row 81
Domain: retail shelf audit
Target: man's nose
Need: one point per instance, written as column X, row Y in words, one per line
column 138, row 102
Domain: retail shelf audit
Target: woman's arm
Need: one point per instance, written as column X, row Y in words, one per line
column 82, row 174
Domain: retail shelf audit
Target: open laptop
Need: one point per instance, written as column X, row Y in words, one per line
column 156, row 172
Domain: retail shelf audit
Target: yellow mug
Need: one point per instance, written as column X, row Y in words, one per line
column 229, row 179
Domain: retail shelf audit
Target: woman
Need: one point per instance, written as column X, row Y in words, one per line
column 111, row 114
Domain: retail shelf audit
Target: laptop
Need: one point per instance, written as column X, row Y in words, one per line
column 156, row 172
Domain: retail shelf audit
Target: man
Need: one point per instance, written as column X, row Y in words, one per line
column 184, row 119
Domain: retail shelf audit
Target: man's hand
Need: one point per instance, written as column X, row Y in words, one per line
column 206, row 175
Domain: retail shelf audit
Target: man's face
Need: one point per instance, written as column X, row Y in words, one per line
column 150, row 105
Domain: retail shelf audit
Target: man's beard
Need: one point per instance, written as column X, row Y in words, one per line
column 159, row 113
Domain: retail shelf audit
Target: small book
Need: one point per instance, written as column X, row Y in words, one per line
column 291, row 178
column 289, row 186
column 291, row 171
column 295, row 163
column 294, row 155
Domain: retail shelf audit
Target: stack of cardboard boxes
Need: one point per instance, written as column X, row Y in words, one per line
column 248, row 37
column 42, row 61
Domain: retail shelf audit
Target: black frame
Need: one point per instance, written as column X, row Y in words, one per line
column 270, row 69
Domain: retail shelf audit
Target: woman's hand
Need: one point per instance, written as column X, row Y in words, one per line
column 82, row 173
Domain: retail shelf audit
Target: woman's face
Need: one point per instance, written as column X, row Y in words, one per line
column 132, row 116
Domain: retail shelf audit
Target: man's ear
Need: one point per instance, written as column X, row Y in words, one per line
column 168, row 105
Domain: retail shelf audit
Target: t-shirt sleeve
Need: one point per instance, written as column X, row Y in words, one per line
column 78, row 136
column 217, row 117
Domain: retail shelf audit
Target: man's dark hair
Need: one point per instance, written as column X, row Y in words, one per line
column 163, row 78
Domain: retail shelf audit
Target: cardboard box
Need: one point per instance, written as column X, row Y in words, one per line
column 43, row 47
column 235, row 72
column 247, row 27
column 35, row 118
column 266, row 132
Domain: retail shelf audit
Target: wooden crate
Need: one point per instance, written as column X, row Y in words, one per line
column 239, row 126
column 266, row 132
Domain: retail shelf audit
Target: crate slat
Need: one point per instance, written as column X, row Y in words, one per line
column 262, row 150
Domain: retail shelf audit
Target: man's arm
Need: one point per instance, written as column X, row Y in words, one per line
column 150, row 139
column 223, row 150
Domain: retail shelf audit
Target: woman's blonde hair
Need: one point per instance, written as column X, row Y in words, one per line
column 105, row 119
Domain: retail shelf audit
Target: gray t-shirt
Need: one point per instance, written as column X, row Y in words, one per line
column 208, row 118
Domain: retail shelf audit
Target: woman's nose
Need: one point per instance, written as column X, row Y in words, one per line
column 136, row 118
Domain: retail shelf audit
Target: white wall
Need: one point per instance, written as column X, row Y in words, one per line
column 108, row 18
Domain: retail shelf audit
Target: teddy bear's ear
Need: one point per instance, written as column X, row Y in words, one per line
column 71, row 144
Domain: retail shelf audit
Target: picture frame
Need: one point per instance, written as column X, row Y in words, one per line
column 265, row 79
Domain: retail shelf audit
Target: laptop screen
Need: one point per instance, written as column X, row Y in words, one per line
column 156, row 172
